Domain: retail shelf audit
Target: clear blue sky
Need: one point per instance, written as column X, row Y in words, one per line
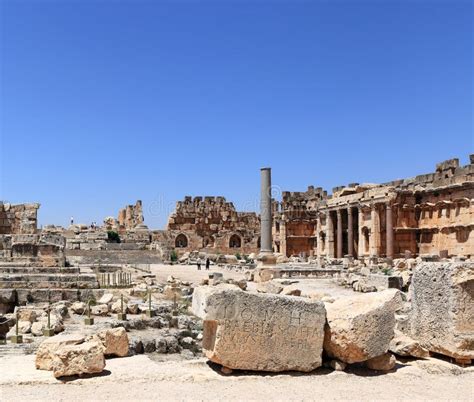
column 106, row 102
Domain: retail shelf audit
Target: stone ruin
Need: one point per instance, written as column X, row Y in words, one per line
column 430, row 214
column 211, row 224
column 272, row 325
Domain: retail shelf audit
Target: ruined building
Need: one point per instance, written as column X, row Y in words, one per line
column 22, row 243
column 212, row 224
column 428, row 214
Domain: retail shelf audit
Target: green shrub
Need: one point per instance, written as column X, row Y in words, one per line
column 387, row 271
column 238, row 256
column 113, row 237
column 173, row 256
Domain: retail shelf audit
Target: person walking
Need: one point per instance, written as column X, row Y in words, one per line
column 198, row 263
column 208, row 263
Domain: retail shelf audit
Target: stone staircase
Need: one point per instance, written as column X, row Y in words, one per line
column 21, row 284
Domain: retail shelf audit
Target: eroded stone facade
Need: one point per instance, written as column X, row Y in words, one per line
column 213, row 224
column 427, row 214
column 18, row 219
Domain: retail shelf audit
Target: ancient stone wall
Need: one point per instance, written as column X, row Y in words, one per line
column 213, row 224
column 131, row 216
column 428, row 214
column 18, row 219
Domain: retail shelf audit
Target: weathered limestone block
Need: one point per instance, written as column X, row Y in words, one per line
column 37, row 328
column 441, row 319
column 100, row 309
column 44, row 354
column 361, row 327
column 385, row 362
column 261, row 331
column 78, row 307
column 106, row 298
column 115, row 341
column 202, row 296
column 403, row 345
column 83, row 358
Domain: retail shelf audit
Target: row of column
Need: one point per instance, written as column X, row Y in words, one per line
column 374, row 239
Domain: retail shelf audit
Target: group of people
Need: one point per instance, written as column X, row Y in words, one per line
column 199, row 262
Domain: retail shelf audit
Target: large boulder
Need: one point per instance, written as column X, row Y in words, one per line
column 76, row 359
column 441, row 319
column 361, row 327
column 261, row 331
column 45, row 352
column 115, row 341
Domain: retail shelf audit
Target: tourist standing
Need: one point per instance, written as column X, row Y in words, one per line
column 198, row 263
column 208, row 263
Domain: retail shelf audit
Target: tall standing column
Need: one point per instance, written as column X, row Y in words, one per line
column 339, row 234
column 266, row 211
column 361, row 248
column 318, row 237
column 350, row 232
column 329, row 236
column 374, row 232
column 389, row 230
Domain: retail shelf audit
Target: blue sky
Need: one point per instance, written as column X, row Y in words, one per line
column 106, row 102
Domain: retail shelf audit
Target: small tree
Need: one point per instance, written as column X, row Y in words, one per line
column 113, row 237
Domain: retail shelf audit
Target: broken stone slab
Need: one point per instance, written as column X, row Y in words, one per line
column 262, row 332
column 78, row 307
column 76, row 359
column 441, row 318
column 115, row 341
column 269, row 287
column 106, row 298
column 403, row 345
column 100, row 309
column 385, row 362
column 361, row 327
column 44, row 354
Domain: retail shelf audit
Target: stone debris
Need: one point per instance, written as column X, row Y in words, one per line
column 361, row 328
column 402, row 345
column 77, row 359
column 115, row 341
column 385, row 362
column 45, row 352
column 260, row 331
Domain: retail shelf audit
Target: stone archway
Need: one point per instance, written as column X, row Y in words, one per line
column 235, row 241
column 181, row 241
column 208, row 241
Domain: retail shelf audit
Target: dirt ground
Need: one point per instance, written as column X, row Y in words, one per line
column 142, row 378
column 189, row 272
column 171, row 377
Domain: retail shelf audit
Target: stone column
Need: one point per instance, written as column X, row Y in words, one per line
column 361, row 248
column 350, row 232
column 339, row 234
column 329, row 236
column 318, row 238
column 282, row 236
column 389, row 230
column 266, row 211
column 374, row 232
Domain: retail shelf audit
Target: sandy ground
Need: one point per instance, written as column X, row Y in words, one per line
column 141, row 378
